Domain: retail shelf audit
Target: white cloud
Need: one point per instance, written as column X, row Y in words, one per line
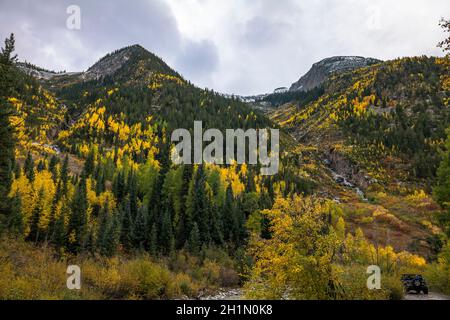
column 233, row 46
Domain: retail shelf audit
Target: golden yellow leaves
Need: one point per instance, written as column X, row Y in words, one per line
column 158, row 79
column 105, row 129
column 103, row 199
column 360, row 106
column 154, row 86
column 300, row 259
column 35, row 119
column 230, row 176
column 110, row 92
column 29, row 193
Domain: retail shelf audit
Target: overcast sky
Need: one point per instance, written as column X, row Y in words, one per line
column 232, row 46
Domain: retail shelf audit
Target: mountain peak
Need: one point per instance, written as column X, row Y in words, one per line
column 320, row 71
column 126, row 61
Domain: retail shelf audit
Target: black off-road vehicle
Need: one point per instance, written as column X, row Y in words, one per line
column 414, row 282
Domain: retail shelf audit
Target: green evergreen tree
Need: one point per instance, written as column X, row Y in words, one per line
column 216, row 226
column 100, row 183
column 102, row 231
column 113, row 235
column 7, row 142
column 108, row 235
column 89, row 164
column 77, row 227
column 52, row 167
column 166, row 234
column 153, row 243
column 41, row 166
column 119, row 187
column 17, row 171
column 7, row 56
column 15, row 221
column 229, row 216
column 36, row 214
column 64, row 175
column 132, row 194
column 29, row 167
column 89, row 241
column 59, row 236
column 197, row 206
column 139, row 228
column 193, row 244
column 52, row 218
column 126, row 233
column 442, row 189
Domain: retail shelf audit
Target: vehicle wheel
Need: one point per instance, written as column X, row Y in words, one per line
column 425, row 291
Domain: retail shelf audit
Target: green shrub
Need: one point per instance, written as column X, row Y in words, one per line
column 393, row 286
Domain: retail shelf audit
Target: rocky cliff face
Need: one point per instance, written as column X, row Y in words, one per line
column 111, row 63
column 321, row 70
column 37, row 72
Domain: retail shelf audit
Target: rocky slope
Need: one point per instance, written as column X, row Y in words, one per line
column 322, row 70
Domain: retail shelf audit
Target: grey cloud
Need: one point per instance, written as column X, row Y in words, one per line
column 43, row 38
column 256, row 46
column 260, row 31
column 198, row 60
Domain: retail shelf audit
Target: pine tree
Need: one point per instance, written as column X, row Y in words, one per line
column 445, row 44
column 36, row 214
column 102, row 231
column 52, row 218
column 113, row 235
column 197, row 207
column 7, row 142
column 441, row 191
column 240, row 231
column 229, row 216
column 17, row 170
column 132, row 191
column 100, row 182
column 89, row 241
column 15, row 221
column 29, row 167
column 89, row 164
column 7, row 57
column 119, row 187
column 77, row 227
column 139, row 228
column 166, row 234
column 250, row 184
column 59, row 236
column 41, row 166
column 193, row 244
column 126, row 232
column 108, row 234
column 186, row 178
column 52, row 167
column 216, row 226
column 64, row 175
column 153, row 243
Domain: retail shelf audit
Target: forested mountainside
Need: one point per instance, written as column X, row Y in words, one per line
column 380, row 129
column 89, row 179
column 398, row 108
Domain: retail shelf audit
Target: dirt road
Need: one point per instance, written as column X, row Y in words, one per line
column 236, row 294
column 430, row 296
